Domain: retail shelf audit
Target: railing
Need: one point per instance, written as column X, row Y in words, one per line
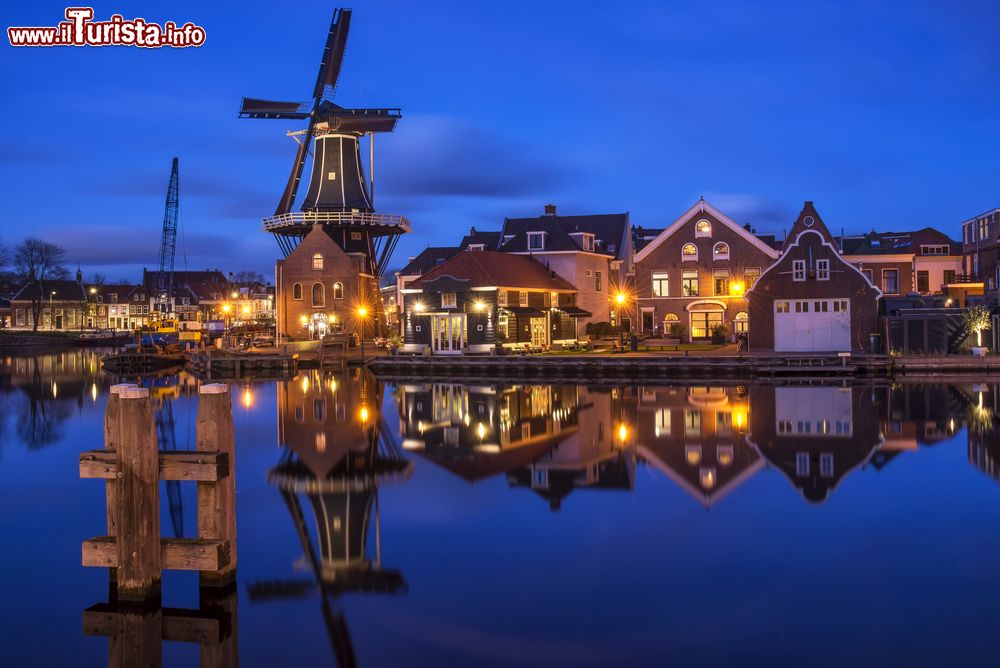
column 306, row 218
column 963, row 278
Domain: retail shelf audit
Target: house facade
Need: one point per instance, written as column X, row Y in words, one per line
column 900, row 263
column 696, row 272
column 321, row 289
column 59, row 305
column 812, row 299
column 981, row 248
column 592, row 252
column 479, row 299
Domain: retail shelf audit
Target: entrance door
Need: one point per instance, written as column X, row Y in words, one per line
column 647, row 321
column 702, row 323
column 538, row 333
column 448, row 335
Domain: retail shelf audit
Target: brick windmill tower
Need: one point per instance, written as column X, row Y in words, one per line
column 335, row 246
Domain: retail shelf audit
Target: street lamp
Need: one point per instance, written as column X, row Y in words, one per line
column 362, row 312
column 226, row 308
column 620, row 301
column 52, row 313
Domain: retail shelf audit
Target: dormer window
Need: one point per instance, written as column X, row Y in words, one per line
column 317, row 262
column 536, row 240
column 476, row 247
column 588, row 242
column 702, row 228
column 449, row 300
column 689, row 252
column 720, row 251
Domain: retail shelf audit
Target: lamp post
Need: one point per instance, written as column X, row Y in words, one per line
column 362, row 312
column 620, row 301
column 52, row 313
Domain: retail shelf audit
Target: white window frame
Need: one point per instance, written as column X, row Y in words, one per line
column 540, row 236
column 685, row 257
column 706, row 232
column 663, row 278
column 802, row 464
column 822, row 270
column 717, row 255
column 449, row 300
column 522, row 298
column 886, row 289
column 317, row 262
column 826, row 464
column 798, row 270
column 501, row 297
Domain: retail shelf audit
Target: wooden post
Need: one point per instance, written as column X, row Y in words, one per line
column 225, row 651
column 110, row 489
column 139, row 641
column 138, row 497
column 217, row 500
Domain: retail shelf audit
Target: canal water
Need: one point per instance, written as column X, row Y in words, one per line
column 453, row 524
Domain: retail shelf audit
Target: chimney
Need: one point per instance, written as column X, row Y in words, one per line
column 550, row 209
column 472, row 231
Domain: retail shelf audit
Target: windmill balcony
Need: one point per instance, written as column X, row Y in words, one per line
column 305, row 219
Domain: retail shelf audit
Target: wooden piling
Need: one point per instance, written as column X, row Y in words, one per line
column 110, row 488
column 217, row 499
column 137, row 510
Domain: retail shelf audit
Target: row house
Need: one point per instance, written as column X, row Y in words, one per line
column 111, row 307
column 199, row 297
column 479, row 299
column 981, row 248
column 924, row 262
column 57, row 305
column 591, row 252
column 694, row 274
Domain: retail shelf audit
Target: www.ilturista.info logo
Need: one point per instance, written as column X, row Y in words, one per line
column 81, row 30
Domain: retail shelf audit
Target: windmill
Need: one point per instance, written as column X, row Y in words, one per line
column 338, row 197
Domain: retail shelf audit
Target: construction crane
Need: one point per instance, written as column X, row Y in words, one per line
column 164, row 284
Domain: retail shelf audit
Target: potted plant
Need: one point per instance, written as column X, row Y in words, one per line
column 395, row 343
column 678, row 330
column 976, row 319
column 719, row 333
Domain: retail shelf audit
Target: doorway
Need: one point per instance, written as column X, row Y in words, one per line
column 538, row 333
column 448, row 334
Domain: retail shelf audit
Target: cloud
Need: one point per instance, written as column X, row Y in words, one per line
column 440, row 156
column 108, row 245
column 13, row 152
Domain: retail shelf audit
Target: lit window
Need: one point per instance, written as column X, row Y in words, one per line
column 661, row 284
column 448, row 300
column 689, row 252
column 750, row 277
column 522, row 298
column 720, row 251
column 670, row 317
column 338, row 290
column 720, row 281
column 317, row 261
column 689, row 284
column 799, row 270
column 822, row 270
column 703, row 228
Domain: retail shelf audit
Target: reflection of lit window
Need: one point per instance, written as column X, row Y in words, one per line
column 707, row 477
column 320, row 441
column 692, row 423
column 662, row 422
column 692, row 454
column 319, row 410
column 724, row 454
column 802, row 463
column 300, row 413
column 826, row 464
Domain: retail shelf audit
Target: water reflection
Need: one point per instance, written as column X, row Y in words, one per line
column 336, row 453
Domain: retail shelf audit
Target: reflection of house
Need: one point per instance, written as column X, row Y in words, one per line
column 812, row 299
column 477, row 298
column 477, row 432
column 815, row 435
column 696, row 272
column 918, row 415
column 593, row 456
column 984, row 430
column 697, row 438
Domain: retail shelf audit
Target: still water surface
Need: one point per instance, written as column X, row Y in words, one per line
column 438, row 523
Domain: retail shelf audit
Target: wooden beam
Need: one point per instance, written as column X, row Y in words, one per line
column 195, row 626
column 173, row 465
column 217, row 500
column 177, row 554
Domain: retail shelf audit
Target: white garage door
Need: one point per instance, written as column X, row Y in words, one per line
column 812, row 325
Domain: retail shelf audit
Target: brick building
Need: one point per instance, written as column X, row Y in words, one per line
column 321, row 289
column 696, row 271
column 812, row 299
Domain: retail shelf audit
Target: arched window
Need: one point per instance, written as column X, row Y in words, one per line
column 317, row 261
column 318, row 295
column 741, row 322
column 720, row 251
column 338, row 290
column 297, row 291
column 703, row 228
column 670, row 317
column 689, row 252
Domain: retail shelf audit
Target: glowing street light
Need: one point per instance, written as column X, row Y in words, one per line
column 736, row 288
column 362, row 313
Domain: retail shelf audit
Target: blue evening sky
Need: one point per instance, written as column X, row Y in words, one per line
column 883, row 113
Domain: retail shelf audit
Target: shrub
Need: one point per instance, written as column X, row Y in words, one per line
column 678, row 330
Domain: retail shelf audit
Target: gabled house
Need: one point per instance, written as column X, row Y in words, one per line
column 696, row 273
column 592, row 252
column 479, row 299
column 812, row 299
column 57, row 304
column 899, row 263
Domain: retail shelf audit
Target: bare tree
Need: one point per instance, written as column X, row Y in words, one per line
column 98, row 279
column 35, row 263
column 248, row 277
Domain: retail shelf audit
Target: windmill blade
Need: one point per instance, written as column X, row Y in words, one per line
column 254, row 108
column 333, row 53
column 292, row 187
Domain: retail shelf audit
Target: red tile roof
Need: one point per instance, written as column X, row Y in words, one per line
column 491, row 268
